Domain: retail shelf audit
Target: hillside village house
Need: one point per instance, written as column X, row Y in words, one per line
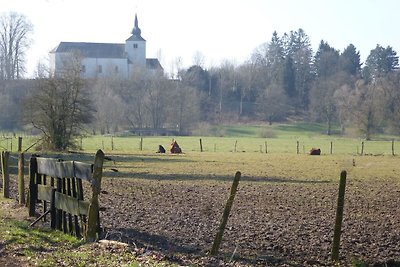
column 106, row 59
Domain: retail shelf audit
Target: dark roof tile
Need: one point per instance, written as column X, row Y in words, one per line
column 92, row 50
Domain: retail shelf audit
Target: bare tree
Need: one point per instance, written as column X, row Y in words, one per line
column 14, row 41
column 109, row 116
column 184, row 107
column 59, row 106
column 272, row 105
column 369, row 100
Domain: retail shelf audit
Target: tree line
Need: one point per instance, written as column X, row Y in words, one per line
column 282, row 79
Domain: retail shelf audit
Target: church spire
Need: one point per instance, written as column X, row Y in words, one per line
column 136, row 30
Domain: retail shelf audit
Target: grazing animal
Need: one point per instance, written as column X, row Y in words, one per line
column 175, row 149
column 315, row 151
column 161, row 149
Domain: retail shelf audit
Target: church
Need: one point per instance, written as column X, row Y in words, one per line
column 107, row 59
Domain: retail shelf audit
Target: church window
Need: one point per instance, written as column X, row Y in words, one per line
column 135, row 45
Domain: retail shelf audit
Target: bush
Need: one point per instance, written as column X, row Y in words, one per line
column 267, row 133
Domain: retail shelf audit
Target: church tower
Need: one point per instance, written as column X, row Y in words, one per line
column 135, row 48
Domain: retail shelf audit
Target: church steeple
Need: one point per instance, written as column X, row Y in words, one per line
column 135, row 47
column 136, row 30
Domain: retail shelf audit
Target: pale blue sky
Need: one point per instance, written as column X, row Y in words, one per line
column 218, row 29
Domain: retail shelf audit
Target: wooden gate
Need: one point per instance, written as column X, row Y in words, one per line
column 58, row 186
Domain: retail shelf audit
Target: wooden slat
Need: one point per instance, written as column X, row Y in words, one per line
column 83, row 170
column 71, row 205
column 55, row 168
column 45, row 192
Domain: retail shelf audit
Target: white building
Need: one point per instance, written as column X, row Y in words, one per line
column 105, row 59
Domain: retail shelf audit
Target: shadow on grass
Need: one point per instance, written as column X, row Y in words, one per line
column 35, row 239
column 197, row 177
column 172, row 247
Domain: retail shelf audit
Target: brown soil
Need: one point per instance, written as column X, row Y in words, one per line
column 275, row 223
column 280, row 223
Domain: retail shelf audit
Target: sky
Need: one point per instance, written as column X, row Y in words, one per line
column 218, row 30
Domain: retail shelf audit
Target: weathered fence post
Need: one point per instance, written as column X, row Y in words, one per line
column 393, row 147
column 32, row 186
column 331, row 147
column 21, row 182
column 297, row 147
column 6, row 177
column 112, row 142
column 93, row 214
column 362, row 148
column 266, row 147
column 141, row 144
column 225, row 216
column 234, row 150
column 339, row 217
column 19, row 144
column 201, row 146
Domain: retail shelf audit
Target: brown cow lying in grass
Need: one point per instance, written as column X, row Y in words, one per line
column 175, row 149
column 315, row 151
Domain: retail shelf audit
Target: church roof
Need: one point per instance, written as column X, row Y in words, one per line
column 92, row 50
column 153, row 63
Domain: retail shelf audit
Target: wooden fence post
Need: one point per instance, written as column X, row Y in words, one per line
column 234, row 150
column 19, row 144
column 32, row 186
column 6, row 177
column 141, row 144
column 93, row 213
column 112, row 142
column 362, row 148
column 201, row 146
column 21, row 182
column 393, row 147
column 266, row 147
column 297, row 147
column 331, row 147
column 339, row 217
column 225, row 216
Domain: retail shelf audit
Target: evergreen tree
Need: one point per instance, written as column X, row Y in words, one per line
column 349, row 60
column 381, row 61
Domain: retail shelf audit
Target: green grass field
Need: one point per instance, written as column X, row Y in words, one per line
column 280, row 168
column 279, row 138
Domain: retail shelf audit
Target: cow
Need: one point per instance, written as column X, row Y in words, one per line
column 315, row 151
column 175, row 149
column 161, row 149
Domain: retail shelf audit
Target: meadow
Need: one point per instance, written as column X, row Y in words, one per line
column 284, row 210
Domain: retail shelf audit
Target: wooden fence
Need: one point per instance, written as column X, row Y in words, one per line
column 57, row 185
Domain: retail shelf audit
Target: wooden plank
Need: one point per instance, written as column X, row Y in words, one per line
column 45, row 192
column 83, row 170
column 55, row 168
column 70, row 204
column 32, row 186
column 5, row 155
